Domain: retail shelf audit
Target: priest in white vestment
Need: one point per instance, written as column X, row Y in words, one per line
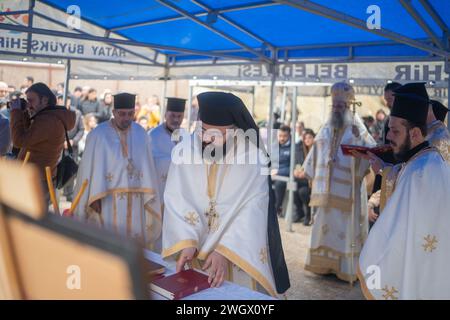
column 437, row 133
column 335, row 243
column 438, row 136
column 219, row 212
column 407, row 252
column 122, row 192
column 164, row 138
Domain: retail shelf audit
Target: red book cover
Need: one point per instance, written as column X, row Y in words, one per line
column 347, row 149
column 181, row 284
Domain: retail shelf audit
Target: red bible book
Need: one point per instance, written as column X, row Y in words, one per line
column 181, row 284
column 347, row 149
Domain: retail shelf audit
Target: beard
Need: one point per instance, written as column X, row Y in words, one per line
column 216, row 153
column 340, row 119
column 404, row 148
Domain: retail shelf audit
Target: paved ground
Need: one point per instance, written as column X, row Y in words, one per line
column 304, row 284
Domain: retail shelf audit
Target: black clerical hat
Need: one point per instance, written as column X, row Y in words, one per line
column 219, row 108
column 411, row 103
column 440, row 111
column 225, row 109
column 124, row 101
column 175, row 104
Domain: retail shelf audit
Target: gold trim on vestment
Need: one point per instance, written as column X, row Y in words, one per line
column 439, row 137
column 366, row 292
column 158, row 219
column 330, row 268
column 116, row 228
column 148, row 208
column 390, row 181
column 119, row 190
column 333, row 251
column 384, row 187
column 331, row 201
column 129, row 211
column 247, row 267
column 179, row 246
column 230, row 271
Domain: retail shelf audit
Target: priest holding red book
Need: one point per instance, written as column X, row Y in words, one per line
column 219, row 209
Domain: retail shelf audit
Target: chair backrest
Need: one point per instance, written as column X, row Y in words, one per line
column 56, row 257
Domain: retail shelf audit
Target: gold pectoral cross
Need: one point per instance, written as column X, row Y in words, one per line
column 213, row 217
column 130, row 169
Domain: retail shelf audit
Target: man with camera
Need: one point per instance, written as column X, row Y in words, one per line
column 38, row 126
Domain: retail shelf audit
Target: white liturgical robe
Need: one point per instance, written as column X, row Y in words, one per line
column 118, row 166
column 407, row 253
column 222, row 208
column 330, row 171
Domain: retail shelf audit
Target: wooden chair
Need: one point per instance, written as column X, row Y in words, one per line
column 46, row 256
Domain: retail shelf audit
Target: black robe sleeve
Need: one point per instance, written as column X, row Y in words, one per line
column 279, row 268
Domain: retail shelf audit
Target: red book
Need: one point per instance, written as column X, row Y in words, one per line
column 347, row 149
column 181, row 284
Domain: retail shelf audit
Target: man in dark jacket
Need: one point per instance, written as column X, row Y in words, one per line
column 90, row 104
column 40, row 128
column 284, row 165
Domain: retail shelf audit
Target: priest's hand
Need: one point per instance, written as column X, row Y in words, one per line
column 216, row 264
column 186, row 256
column 372, row 215
column 97, row 206
column 376, row 163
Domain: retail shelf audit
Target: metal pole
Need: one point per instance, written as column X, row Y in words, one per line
column 292, row 185
column 189, row 109
column 31, row 4
column 66, row 82
column 253, row 102
column 283, row 105
column 271, row 137
column 164, row 94
column 353, row 213
column 448, row 96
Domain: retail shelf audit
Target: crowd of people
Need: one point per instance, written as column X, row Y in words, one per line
column 222, row 216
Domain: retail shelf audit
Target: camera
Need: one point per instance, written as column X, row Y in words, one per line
column 23, row 103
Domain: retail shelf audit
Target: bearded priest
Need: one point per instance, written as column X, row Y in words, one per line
column 122, row 192
column 408, row 249
column 219, row 210
column 335, row 241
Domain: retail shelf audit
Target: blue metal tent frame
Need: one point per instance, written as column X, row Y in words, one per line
column 235, row 32
column 261, row 50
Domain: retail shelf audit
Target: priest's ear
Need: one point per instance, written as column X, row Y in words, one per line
column 417, row 132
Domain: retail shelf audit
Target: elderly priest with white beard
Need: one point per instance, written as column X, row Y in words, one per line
column 335, row 242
